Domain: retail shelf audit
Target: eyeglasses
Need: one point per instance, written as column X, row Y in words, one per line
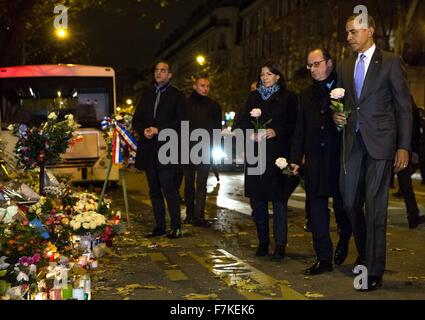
column 314, row 64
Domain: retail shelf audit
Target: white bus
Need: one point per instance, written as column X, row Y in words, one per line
column 29, row 93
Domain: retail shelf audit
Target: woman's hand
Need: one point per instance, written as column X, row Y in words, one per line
column 270, row 134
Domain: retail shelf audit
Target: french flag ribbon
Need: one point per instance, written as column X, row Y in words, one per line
column 121, row 138
column 117, row 156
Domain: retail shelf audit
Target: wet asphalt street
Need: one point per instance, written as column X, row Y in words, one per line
column 218, row 263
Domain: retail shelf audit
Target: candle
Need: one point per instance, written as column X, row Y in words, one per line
column 78, row 294
column 93, row 264
column 55, row 294
column 41, row 296
column 82, row 261
column 67, row 293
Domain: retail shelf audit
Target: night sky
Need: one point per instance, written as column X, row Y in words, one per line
column 129, row 38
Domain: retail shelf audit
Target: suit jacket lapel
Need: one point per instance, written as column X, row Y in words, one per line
column 372, row 74
column 351, row 67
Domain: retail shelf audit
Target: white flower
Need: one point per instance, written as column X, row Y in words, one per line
column 93, row 225
column 33, row 269
column 11, row 127
column 3, row 264
column 338, row 93
column 52, row 116
column 22, row 277
column 77, row 225
column 11, row 212
column 282, row 163
column 69, row 117
column 86, row 225
column 255, row 113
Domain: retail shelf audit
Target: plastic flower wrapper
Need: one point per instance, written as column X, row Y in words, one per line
column 284, row 166
column 4, row 285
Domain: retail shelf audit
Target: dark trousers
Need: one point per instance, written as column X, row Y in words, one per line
column 406, row 187
column 367, row 182
column 162, row 183
column 280, row 221
column 320, row 220
column 195, row 199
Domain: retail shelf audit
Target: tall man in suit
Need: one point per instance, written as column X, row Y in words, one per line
column 378, row 136
column 162, row 106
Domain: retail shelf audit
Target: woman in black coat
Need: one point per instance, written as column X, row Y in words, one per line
column 280, row 107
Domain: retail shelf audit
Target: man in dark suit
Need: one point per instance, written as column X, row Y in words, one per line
column 405, row 176
column 378, row 136
column 161, row 107
column 317, row 138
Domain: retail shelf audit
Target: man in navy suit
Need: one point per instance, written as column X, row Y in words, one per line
column 378, row 136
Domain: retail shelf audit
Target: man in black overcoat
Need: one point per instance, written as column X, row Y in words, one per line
column 317, row 138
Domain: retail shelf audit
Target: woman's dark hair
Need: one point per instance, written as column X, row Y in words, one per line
column 274, row 68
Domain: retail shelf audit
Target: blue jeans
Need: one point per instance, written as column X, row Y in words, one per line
column 280, row 221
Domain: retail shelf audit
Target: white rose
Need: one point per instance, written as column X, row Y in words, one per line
column 338, row 93
column 52, row 116
column 93, row 225
column 86, row 225
column 11, row 127
column 282, row 163
column 69, row 117
column 255, row 113
column 77, row 225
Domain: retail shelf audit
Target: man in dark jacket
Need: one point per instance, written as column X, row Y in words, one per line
column 161, row 107
column 405, row 176
column 202, row 113
column 317, row 138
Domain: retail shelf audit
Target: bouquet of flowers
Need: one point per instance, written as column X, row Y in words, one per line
column 45, row 144
column 88, row 222
column 284, row 166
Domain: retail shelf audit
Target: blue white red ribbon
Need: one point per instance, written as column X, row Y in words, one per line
column 121, row 139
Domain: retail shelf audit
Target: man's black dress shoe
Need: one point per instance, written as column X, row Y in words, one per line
column 202, row 223
column 319, row 267
column 156, row 233
column 174, row 233
column 279, row 253
column 262, row 250
column 341, row 252
column 414, row 223
column 374, row 283
column 359, row 262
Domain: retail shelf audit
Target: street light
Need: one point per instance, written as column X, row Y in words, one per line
column 62, row 33
column 201, row 60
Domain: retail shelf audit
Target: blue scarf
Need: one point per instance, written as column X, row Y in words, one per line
column 266, row 93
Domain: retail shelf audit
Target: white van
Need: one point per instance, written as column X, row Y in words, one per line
column 29, row 93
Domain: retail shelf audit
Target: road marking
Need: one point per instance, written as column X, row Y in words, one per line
column 157, row 257
column 250, row 282
column 176, row 275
